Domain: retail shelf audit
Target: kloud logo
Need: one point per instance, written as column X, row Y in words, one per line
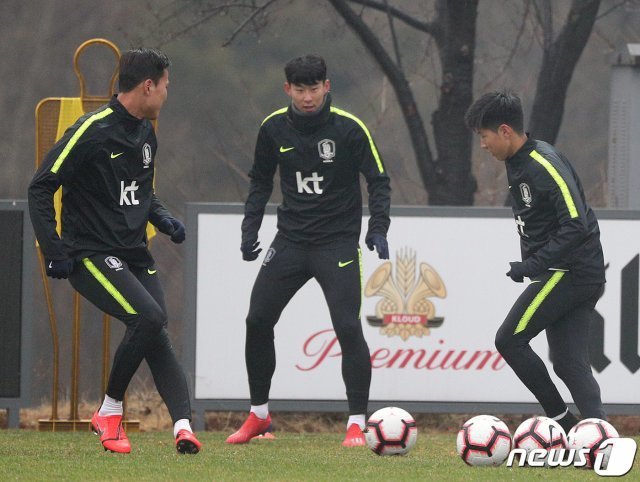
column 614, row 462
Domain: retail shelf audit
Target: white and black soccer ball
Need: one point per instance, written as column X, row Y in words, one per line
column 391, row 431
column 540, row 433
column 484, row 440
column 590, row 433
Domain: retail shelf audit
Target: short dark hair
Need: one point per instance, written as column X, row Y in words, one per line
column 494, row 109
column 138, row 65
column 307, row 70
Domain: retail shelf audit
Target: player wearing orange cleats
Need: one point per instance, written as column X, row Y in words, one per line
column 320, row 152
column 105, row 165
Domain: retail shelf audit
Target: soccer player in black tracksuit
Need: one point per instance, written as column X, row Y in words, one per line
column 105, row 165
column 320, row 151
column 561, row 254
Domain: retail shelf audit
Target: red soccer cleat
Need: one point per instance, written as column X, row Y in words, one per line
column 354, row 437
column 111, row 433
column 187, row 443
column 250, row 428
column 264, row 436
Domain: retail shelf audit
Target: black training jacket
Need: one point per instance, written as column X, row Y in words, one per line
column 557, row 228
column 105, row 165
column 320, row 158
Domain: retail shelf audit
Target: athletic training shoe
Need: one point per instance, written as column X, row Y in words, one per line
column 354, row 437
column 268, row 435
column 250, row 428
column 111, row 433
column 187, row 443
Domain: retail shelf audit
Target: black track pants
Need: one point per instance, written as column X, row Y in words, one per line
column 285, row 270
column 134, row 295
column 553, row 303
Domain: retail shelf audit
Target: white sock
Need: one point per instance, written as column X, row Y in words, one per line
column 182, row 424
column 261, row 411
column 110, row 406
column 359, row 419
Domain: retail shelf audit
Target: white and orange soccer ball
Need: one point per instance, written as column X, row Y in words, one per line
column 539, row 433
column 391, row 431
column 484, row 440
column 589, row 434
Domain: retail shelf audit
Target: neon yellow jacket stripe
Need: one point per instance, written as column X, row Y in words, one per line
column 77, row 135
column 566, row 194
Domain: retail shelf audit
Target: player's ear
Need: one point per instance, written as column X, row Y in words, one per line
column 505, row 130
column 287, row 88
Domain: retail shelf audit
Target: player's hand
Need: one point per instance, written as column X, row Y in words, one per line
column 516, row 271
column 379, row 242
column 250, row 249
column 174, row 228
column 59, row 268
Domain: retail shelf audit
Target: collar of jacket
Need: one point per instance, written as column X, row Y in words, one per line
column 523, row 153
column 310, row 122
column 129, row 120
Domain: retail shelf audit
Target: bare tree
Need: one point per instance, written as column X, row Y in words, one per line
column 446, row 173
column 559, row 59
column 447, row 177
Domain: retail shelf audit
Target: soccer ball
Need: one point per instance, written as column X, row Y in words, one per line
column 590, row 433
column 484, row 440
column 391, row 431
column 540, row 433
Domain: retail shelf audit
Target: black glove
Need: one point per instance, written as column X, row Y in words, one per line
column 379, row 242
column 174, row 228
column 517, row 271
column 59, row 268
column 250, row 249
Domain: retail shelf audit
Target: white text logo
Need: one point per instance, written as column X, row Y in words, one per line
column 128, row 194
column 614, row 462
column 303, row 183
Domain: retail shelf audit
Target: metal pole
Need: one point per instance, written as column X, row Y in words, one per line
column 54, row 337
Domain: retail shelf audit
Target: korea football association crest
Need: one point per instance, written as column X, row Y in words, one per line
column 327, row 150
column 146, row 155
column 113, row 263
column 525, row 193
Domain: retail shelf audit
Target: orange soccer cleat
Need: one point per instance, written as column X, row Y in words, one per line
column 252, row 427
column 111, row 433
column 354, row 437
column 187, row 443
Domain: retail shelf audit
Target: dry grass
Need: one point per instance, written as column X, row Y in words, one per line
column 147, row 407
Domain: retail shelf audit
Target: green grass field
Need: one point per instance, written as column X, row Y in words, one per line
column 31, row 455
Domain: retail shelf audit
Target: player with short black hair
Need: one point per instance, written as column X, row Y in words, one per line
column 105, row 164
column 561, row 254
column 320, row 151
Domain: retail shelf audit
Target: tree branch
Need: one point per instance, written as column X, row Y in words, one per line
column 394, row 37
column 428, row 27
column 192, row 26
column 515, row 46
column 400, row 85
column 249, row 18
